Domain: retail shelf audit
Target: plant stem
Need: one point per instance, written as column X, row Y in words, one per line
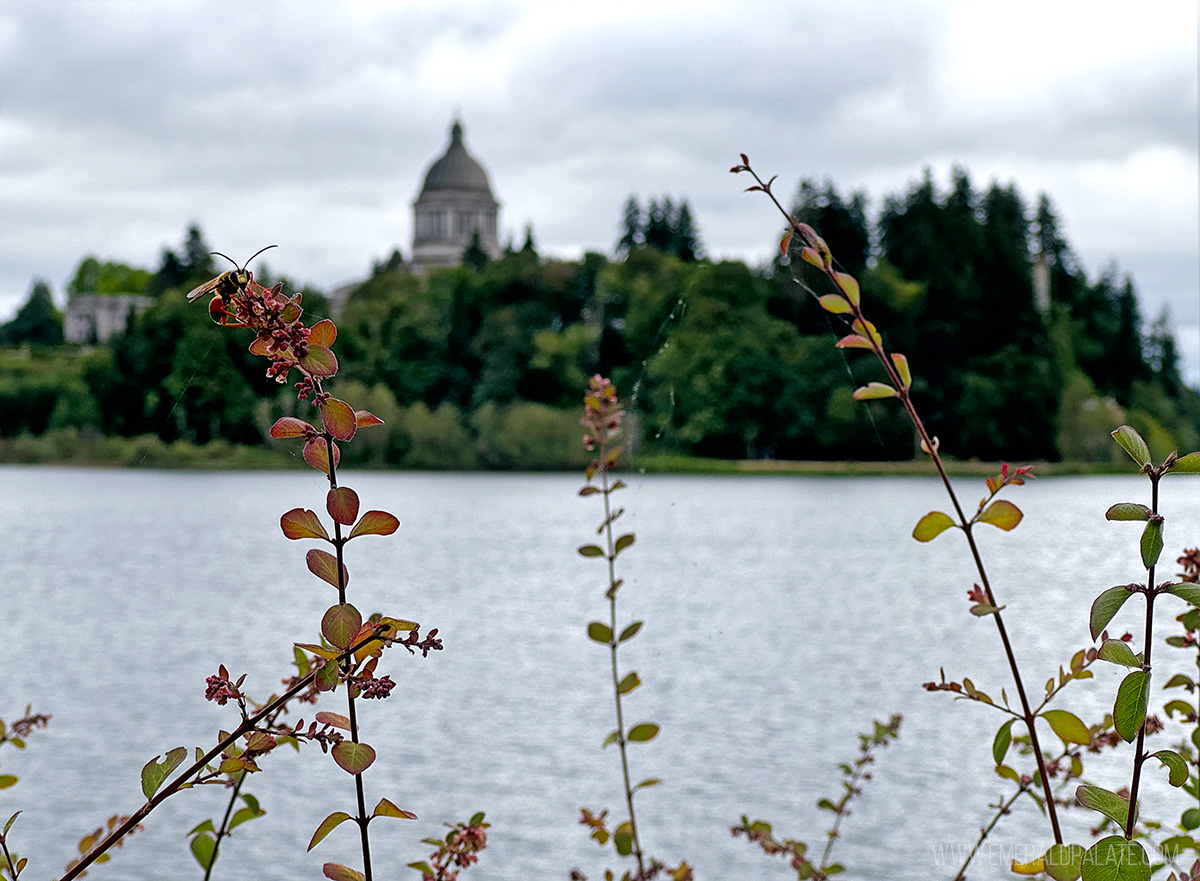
column 12, row 870
column 363, row 821
column 1139, row 756
column 612, row 606
column 223, row 830
column 983, row 833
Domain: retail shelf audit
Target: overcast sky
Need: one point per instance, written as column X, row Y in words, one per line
column 311, row 124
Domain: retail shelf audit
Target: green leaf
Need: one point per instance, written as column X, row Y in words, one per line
column 1002, row 740
column 628, row 683
column 1116, row 651
column 630, row 632
column 649, row 781
column 155, row 773
column 873, row 390
column 1152, row 543
column 338, row 872
column 1190, row 818
column 319, row 361
column 353, row 758
column 7, row 780
column 623, row 542
column 1107, row 605
column 1189, row 593
column 341, row 624
column 835, row 304
column 242, row 815
column 598, row 632
column 591, row 551
column 1110, row 804
column 643, row 732
column 1133, row 444
column 931, row 526
column 623, row 839
column 1189, row 464
column 1177, row 773
column 327, row 677
column 203, row 848
column 826, row 804
column 901, row 363
column 1172, row 847
column 9, row 824
column 613, row 737
column 423, row 867
column 1127, row 511
column 848, row 285
column 1068, row 726
column 1008, row 773
column 1001, row 514
column 1116, row 859
column 1129, row 711
column 1063, row 861
column 386, row 808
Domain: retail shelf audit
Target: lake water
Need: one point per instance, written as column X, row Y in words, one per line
column 782, row 615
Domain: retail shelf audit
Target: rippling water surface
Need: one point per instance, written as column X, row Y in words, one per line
column 782, row 615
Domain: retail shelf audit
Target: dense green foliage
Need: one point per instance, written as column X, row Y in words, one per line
column 481, row 365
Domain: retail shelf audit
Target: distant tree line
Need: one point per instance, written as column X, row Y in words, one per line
column 482, row 365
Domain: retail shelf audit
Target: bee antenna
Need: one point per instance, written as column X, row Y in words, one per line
column 256, row 253
column 226, row 256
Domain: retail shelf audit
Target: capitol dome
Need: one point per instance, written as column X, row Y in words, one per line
column 455, row 203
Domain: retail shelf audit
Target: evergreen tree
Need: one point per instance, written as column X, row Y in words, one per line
column 632, row 228
column 1162, row 355
column 528, row 247
column 686, row 244
column 197, row 260
column 842, row 224
column 475, row 257
column 658, row 228
column 394, row 261
column 38, row 322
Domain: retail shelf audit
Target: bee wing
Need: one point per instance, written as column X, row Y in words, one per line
column 207, row 288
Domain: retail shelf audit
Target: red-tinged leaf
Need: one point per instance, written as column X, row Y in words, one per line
column 323, row 333
column 338, row 872
column 365, row 420
column 291, row 313
column 302, row 523
column 785, row 243
column 1001, row 514
column 320, row 361
column 353, row 758
column 316, row 454
column 342, row 505
column 854, row 341
column 873, row 390
column 324, row 565
column 848, row 286
column 335, row 719
column 931, row 526
column 835, row 304
column 338, row 419
column 386, row 809
column 375, row 523
column 318, row 650
column 810, row 255
column 341, row 624
column 289, row 426
column 330, row 823
column 902, row 370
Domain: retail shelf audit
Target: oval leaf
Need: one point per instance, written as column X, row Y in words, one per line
column 624, row 541
column 873, row 390
column 338, row 419
column 1127, row 511
column 931, row 526
column 386, row 809
column 1152, row 543
column 328, row 825
column 902, row 370
column 1177, row 768
column 375, row 523
column 598, row 632
column 1133, row 444
column 203, row 848
column 835, row 304
column 338, row 872
column 591, row 551
column 1002, row 740
column 1064, row 862
column 324, row 565
column 323, row 333
column 1116, row 651
column 341, row 624
column 1116, row 859
column 1105, row 606
column 1002, row 514
column 1110, row 804
column 847, row 285
column 302, row 523
column 353, row 758
column 1189, row 464
column 630, row 632
column 363, row 419
column 320, row 361
column 289, row 426
column 335, row 719
column 342, row 505
column 628, row 683
column 316, row 454
column 854, row 341
column 1129, row 711
column 1068, row 726
column 1189, row 593
column 643, row 732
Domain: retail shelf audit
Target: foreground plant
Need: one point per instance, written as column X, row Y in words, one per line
column 602, row 424
column 760, row 832
column 844, row 303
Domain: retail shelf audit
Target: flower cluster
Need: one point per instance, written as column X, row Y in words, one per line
column 222, row 690
column 1190, row 561
column 371, row 687
column 602, row 415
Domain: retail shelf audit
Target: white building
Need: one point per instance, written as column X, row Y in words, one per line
column 96, row 318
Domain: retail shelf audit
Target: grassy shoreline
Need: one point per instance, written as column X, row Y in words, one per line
column 76, row 449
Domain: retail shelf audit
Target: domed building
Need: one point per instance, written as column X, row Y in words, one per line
column 455, row 203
